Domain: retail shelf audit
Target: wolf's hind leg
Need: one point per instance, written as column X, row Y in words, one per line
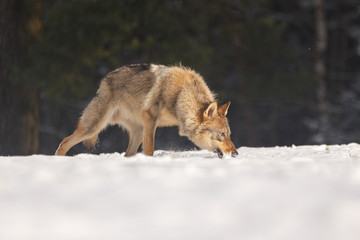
column 68, row 142
column 82, row 133
column 95, row 118
column 135, row 139
column 90, row 142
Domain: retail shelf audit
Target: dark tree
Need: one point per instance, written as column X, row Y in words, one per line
column 20, row 26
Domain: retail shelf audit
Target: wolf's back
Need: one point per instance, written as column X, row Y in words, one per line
column 130, row 81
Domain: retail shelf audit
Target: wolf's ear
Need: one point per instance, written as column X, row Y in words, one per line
column 211, row 110
column 223, row 110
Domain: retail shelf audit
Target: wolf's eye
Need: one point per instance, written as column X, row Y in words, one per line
column 221, row 136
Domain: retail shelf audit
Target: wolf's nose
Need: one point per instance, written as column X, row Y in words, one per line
column 234, row 154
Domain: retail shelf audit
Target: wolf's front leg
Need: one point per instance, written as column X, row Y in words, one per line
column 149, row 133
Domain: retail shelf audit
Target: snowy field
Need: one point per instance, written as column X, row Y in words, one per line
column 305, row 192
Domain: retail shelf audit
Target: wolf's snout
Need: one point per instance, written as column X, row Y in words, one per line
column 234, row 154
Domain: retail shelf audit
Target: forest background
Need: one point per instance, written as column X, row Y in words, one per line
column 290, row 68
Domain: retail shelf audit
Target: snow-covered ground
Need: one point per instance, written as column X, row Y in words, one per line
column 305, row 192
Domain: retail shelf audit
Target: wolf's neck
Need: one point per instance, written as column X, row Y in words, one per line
column 190, row 110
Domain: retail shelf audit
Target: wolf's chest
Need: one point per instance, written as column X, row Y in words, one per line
column 166, row 119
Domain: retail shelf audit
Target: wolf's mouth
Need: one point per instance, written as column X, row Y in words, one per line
column 219, row 153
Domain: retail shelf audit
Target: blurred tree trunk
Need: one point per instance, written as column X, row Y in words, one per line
column 320, row 69
column 19, row 101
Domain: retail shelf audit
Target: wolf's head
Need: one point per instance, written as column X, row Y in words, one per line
column 213, row 133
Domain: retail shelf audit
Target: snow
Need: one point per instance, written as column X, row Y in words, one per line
column 297, row 192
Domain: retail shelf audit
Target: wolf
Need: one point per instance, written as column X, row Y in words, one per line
column 142, row 97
